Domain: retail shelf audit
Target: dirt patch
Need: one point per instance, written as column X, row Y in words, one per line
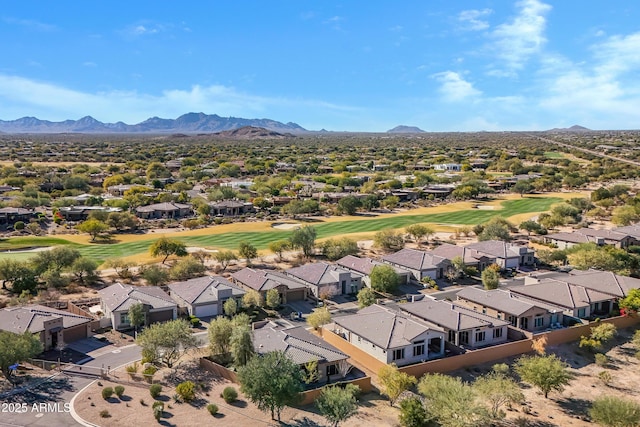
column 285, row 225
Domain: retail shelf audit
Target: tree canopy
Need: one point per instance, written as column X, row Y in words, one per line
column 167, row 247
column 16, row 348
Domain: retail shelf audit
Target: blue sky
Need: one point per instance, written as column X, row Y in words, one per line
column 359, row 66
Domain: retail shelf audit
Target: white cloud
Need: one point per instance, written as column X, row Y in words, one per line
column 472, row 19
column 516, row 41
column 24, row 97
column 454, row 87
column 30, row 24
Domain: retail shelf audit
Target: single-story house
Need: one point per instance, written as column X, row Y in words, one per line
column 507, row 255
column 230, row 208
column 420, row 264
column 462, row 326
column 168, row 210
column 470, row 256
column 615, row 238
column 521, row 312
column 116, row 299
column 391, row 336
column 9, row 216
column 204, row 296
column 451, row 167
column 602, row 281
column 326, row 279
column 302, row 347
column 288, row 288
column 81, row 213
column 577, row 301
column 364, row 266
column 55, row 328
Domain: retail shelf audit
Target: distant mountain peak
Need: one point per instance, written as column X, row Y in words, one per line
column 186, row 123
column 405, row 129
column 574, row 128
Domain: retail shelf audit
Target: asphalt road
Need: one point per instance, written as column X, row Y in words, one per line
column 19, row 410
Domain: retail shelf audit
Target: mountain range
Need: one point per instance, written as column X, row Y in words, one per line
column 187, row 123
column 405, row 129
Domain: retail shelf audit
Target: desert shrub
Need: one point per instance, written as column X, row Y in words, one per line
column 229, row 394
column 212, row 408
column 601, row 359
column 119, row 390
column 104, row 414
column 132, row 369
column 158, row 408
column 107, row 392
column 155, row 390
column 501, row 369
column 605, row 377
column 186, row 391
column 149, row 372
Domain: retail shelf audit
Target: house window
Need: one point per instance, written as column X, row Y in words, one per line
column 513, row 320
column 484, row 310
column 581, row 312
column 497, row 333
column 538, row 321
column 418, row 348
column 464, row 337
column 332, row 370
column 398, row 354
column 452, row 336
column 124, row 318
column 499, row 316
column 480, row 336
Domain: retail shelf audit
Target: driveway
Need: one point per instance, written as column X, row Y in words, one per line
column 88, row 345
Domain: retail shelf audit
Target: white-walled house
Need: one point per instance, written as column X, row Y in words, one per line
column 204, row 296
column 391, row 336
column 420, row 264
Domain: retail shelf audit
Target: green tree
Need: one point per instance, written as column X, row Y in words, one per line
column 451, row 402
column 305, row 239
column 247, row 251
column 230, row 307
column 271, row 382
column 335, row 249
column 94, row 227
column 272, row 299
column 167, row 247
column 319, row 317
column 366, row 297
column 388, row 240
column 413, row 413
column 136, row 315
column 523, row 186
column 338, row 404
column 224, row 258
column 548, row 373
column 490, row 278
column 219, row 332
column 167, row 341
column 624, row 215
column 349, row 205
column 384, row 278
column 252, row 299
column 278, row 247
column 241, row 346
column 122, row 221
column 495, row 231
column 19, row 274
column 614, row 411
column 370, row 202
column 497, row 390
column 630, row 304
column 530, row 227
column 58, row 259
column 186, row 269
column 418, row 231
column 84, row 270
column 155, row 275
column 599, row 336
column 393, row 382
column 16, row 348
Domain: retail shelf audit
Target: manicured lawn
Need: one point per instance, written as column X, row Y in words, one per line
column 553, row 155
column 261, row 239
column 16, row 243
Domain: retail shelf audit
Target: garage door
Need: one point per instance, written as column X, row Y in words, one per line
column 161, row 316
column 296, row 295
column 208, row 310
column 75, row 333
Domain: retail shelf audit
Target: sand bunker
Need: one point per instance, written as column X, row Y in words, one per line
column 285, row 226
